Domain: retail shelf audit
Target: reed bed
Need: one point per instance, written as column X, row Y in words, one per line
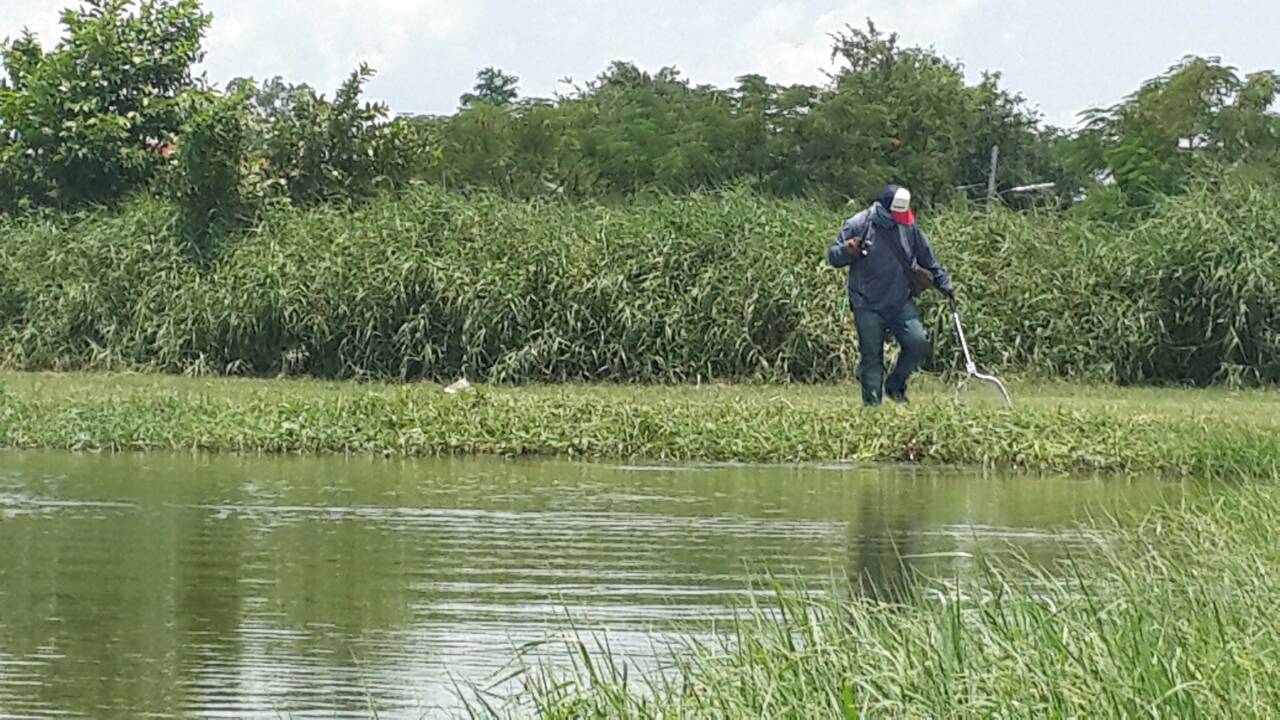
column 729, row 286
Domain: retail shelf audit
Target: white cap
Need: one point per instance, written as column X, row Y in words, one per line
column 901, row 201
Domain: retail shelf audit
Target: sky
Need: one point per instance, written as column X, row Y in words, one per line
column 1063, row 56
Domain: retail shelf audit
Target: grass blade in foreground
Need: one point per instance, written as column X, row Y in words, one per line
column 1177, row 617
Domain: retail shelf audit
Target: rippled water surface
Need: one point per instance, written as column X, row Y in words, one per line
column 169, row 586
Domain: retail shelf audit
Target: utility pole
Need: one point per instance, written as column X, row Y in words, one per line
column 991, row 179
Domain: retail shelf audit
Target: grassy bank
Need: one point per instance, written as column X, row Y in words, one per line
column 1174, row 617
column 733, row 286
column 1212, row 433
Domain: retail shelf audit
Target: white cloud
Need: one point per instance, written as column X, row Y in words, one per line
column 790, row 46
column 322, row 42
column 791, row 41
column 39, row 16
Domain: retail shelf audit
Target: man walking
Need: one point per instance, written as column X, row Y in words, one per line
column 880, row 246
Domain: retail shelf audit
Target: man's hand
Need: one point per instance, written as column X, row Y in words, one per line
column 854, row 245
column 950, row 294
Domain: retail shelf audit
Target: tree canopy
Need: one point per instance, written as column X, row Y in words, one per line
column 114, row 108
column 1157, row 140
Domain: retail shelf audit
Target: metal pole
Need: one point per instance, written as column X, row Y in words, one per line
column 991, row 179
column 971, row 368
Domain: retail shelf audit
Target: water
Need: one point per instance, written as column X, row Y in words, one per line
column 168, row 586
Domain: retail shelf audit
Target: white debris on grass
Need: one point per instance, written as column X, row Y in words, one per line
column 458, row 387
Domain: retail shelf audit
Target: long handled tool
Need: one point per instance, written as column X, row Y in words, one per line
column 971, row 367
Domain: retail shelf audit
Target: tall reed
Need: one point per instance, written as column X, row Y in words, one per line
column 731, row 285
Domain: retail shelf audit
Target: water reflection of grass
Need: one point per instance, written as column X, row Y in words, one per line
column 1055, row 426
column 1172, row 616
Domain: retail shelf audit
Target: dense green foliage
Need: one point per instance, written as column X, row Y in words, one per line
column 271, row 229
column 113, row 107
column 1159, row 140
column 214, row 188
column 83, row 122
column 889, row 112
column 733, row 286
column 319, row 151
column 1173, row 615
column 1230, row 438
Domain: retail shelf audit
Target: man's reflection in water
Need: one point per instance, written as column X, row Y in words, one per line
column 879, row 539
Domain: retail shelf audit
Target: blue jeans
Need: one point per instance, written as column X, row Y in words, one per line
column 873, row 328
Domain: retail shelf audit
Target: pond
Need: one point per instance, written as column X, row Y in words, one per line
column 181, row 585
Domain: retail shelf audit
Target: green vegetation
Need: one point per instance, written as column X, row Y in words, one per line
column 643, row 229
column 110, row 110
column 1176, row 617
column 150, row 222
column 82, row 122
column 1142, row 431
column 731, row 286
column 1159, row 140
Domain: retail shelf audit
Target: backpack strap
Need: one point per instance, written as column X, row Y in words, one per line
column 896, row 246
column 861, row 229
column 918, row 279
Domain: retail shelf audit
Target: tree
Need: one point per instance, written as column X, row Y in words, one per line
column 217, row 180
column 898, row 114
column 493, row 87
column 323, row 151
column 637, row 130
column 86, row 120
column 1154, row 141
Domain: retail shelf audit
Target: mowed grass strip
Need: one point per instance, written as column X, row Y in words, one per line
column 1054, row 427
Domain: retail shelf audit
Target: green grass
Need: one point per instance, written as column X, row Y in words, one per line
column 1211, row 433
column 732, row 285
column 1176, row 616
